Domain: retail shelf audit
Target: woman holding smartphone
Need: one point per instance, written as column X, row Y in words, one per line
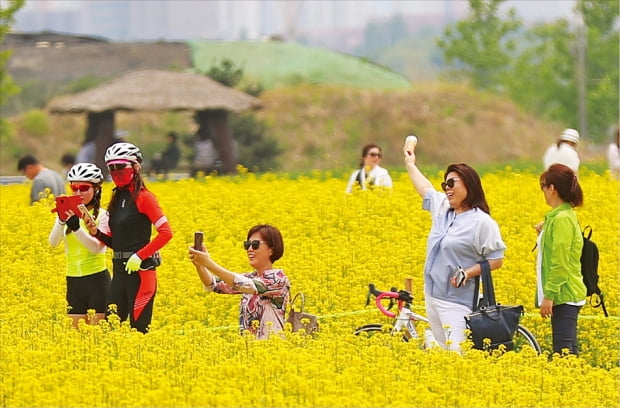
column 462, row 235
column 88, row 278
column 133, row 211
column 264, row 291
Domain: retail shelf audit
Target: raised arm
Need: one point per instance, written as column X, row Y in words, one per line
column 205, row 266
column 420, row 182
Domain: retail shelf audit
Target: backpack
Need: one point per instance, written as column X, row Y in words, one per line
column 589, row 269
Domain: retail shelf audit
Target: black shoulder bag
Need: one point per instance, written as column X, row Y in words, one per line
column 490, row 320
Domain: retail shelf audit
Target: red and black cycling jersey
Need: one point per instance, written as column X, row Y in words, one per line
column 130, row 224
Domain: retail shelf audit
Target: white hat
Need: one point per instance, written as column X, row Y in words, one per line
column 570, row 135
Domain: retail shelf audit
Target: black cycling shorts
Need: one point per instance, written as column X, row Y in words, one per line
column 88, row 292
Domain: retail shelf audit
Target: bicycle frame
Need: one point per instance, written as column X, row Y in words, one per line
column 405, row 318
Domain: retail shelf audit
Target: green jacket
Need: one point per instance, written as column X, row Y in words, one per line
column 561, row 243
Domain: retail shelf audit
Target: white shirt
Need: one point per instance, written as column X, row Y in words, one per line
column 565, row 154
column 378, row 176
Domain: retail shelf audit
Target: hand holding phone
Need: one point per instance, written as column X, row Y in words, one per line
column 88, row 219
column 459, row 276
column 198, row 238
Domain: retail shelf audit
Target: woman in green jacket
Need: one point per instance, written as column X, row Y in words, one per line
column 560, row 288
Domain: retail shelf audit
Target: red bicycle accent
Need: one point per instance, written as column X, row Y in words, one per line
column 393, row 295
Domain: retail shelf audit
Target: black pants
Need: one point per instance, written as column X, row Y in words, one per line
column 564, row 328
column 134, row 295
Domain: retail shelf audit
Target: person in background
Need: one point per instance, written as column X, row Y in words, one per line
column 132, row 211
column 169, row 158
column 42, row 178
column 88, row 278
column 560, row 290
column 462, row 235
column 613, row 155
column 120, row 136
column 67, row 160
column 564, row 151
column 265, row 290
column 370, row 173
column 205, row 154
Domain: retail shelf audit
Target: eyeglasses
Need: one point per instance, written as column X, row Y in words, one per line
column 254, row 244
column 82, row 188
column 373, row 154
column 118, row 166
column 449, row 183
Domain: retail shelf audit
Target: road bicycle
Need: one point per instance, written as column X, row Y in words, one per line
column 410, row 324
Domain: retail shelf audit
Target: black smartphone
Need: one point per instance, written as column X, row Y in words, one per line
column 198, row 236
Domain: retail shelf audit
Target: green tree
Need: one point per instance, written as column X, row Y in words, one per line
column 257, row 151
column 7, row 86
column 546, row 74
column 543, row 75
column 481, row 48
column 602, row 56
column 226, row 73
column 539, row 69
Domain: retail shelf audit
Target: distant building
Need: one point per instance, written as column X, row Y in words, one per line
column 174, row 20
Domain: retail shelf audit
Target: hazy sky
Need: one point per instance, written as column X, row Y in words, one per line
column 543, row 9
column 345, row 14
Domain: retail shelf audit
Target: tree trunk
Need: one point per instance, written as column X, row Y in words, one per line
column 102, row 125
column 217, row 124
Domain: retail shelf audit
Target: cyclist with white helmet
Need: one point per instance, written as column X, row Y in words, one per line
column 132, row 211
column 88, row 278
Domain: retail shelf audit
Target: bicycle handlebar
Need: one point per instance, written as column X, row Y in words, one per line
column 402, row 296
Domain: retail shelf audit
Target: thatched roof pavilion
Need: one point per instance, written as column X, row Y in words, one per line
column 153, row 90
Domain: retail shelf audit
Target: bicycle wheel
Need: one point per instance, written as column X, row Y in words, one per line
column 524, row 338
column 369, row 330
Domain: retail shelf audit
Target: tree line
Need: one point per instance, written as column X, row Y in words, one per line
column 565, row 71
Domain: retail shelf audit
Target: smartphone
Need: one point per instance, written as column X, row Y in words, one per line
column 198, row 237
column 460, row 277
column 85, row 213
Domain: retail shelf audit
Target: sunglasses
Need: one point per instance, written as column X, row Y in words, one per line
column 254, row 244
column 82, row 188
column 449, row 183
column 118, row 166
column 373, row 154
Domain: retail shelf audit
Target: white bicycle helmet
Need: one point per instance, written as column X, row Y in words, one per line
column 123, row 151
column 85, row 172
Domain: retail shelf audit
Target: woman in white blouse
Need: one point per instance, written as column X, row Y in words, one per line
column 370, row 173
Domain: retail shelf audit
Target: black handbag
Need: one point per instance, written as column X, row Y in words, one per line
column 490, row 320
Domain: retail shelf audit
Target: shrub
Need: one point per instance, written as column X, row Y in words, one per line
column 35, row 122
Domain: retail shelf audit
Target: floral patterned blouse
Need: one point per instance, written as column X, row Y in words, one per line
column 266, row 307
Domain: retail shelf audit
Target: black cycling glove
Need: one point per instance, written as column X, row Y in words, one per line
column 73, row 223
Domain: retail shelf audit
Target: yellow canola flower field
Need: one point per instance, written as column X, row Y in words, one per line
column 335, row 244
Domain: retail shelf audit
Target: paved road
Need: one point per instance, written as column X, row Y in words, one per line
column 22, row 179
column 12, row 179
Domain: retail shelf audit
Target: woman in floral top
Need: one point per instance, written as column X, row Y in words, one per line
column 265, row 291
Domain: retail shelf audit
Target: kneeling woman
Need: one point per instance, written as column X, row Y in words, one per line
column 265, row 291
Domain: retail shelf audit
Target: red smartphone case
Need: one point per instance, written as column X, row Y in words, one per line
column 65, row 203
